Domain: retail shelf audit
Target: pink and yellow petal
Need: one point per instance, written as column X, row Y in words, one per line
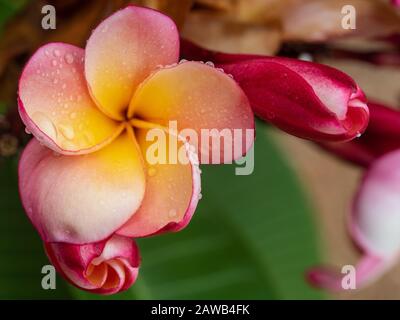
column 85, row 198
column 105, row 267
column 123, row 50
column 55, row 105
column 172, row 186
column 199, row 97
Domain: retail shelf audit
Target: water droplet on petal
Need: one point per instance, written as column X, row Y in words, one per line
column 210, row 63
column 73, row 115
column 69, row 58
column 152, row 171
column 200, row 196
column 56, row 53
column 172, row 213
column 55, row 81
column 67, row 131
column 27, row 131
column 54, row 62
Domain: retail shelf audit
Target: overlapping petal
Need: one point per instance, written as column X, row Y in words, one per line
column 172, row 187
column 81, row 199
column 198, row 96
column 121, row 53
column 105, row 267
column 55, row 105
column 382, row 136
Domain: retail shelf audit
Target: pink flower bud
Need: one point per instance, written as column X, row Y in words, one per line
column 305, row 99
column 104, row 267
column 374, row 225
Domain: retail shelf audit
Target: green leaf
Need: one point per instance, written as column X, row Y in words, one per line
column 251, row 238
column 21, row 252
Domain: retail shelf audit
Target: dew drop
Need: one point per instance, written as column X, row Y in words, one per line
column 73, row 115
column 172, row 213
column 27, row 131
column 358, row 135
column 210, row 63
column 56, row 53
column 45, row 124
column 67, row 131
column 54, row 62
column 152, row 171
column 55, row 81
column 200, row 196
column 69, row 58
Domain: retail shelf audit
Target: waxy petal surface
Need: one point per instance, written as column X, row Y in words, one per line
column 172, row 186
column 199, row 97
column 81, row 199
column 123, row 50
column 105, row 267
column 55, row 105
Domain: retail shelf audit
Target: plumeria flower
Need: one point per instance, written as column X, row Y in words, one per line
column 374, row 225
column 305, row 99
column 85, row 180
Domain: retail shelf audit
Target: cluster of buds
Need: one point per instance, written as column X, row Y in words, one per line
column 321, row 104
